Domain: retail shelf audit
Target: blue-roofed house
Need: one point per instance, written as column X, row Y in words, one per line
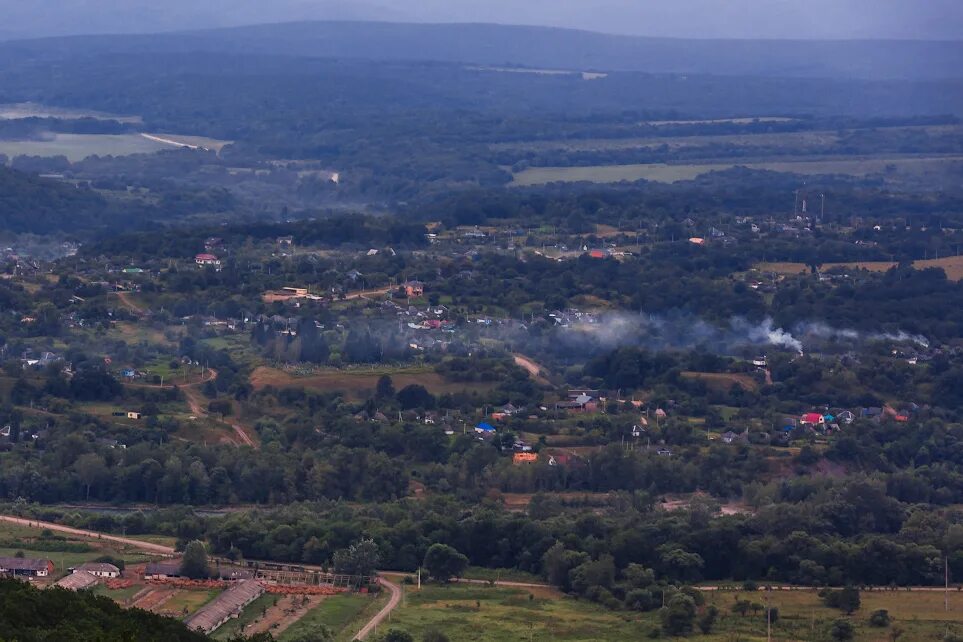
column 485, row 428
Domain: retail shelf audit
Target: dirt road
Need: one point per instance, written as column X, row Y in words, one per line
column 382, row 615
column 531, row 367
column 144, row 546
column 364, row 294
column 130, row 305
column 195, row 400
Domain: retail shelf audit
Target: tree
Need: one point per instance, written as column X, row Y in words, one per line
column 678, row 616
column 221, row 407
column 194, row 564
column 385, row 388
column 841, row 631
column 415, row 396
column 397, row 635
column 91, row 468
column 444, row 562
column 708, row 619
column 361, row 558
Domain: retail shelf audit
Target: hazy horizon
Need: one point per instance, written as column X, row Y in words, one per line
column 734, row 19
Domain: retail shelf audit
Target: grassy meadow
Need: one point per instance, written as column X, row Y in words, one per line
column 663, row 173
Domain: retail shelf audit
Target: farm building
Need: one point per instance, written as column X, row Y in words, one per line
column 98, row 569
column 23, row 567
column 225, row 606
column 78, row 581
column 162, row 570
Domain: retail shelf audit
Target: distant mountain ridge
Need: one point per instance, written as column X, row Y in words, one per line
column 546, row 48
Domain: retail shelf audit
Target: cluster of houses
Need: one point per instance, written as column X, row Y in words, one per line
column 80, row 577
column 832, row 420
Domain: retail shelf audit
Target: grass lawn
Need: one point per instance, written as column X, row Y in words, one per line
column 185, row 603
column 802, row 616
column 250, row 613
column 358, row 383
column 118, row 595
column 501, row 574
column 952, row 265
column 664, row 173
column 475, row 612
column 344, row 614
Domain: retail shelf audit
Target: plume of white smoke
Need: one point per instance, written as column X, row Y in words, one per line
column 681, row 331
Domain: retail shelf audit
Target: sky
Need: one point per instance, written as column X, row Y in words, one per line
column 779, row 19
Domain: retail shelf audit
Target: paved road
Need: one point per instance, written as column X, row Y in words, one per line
column 392, row 604
column 144, row 546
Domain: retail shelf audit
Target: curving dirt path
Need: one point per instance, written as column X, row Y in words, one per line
column 392, row 604
column 130, row 305
column 135, row 543
column 533, row 368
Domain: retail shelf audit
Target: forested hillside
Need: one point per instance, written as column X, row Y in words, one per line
column 548, row 48
column 38, row 205
column 28, row 614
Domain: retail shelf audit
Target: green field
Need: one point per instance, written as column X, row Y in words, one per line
column 469, row 613
column 662, row 173
column 185, row 603
column 344, row 614
column 250, row 613
column 63, row 550
column 77, row 147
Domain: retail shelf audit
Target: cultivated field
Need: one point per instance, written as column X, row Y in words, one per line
column 952, row 265
column 358, row 384
column 344, row 614
column 662, row 173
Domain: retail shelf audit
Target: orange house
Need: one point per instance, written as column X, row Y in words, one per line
column 524, row 458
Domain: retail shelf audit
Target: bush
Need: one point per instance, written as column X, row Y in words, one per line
column 842, row 631
column 678, row 616
column 846, row 600
column 879, row 618
column 708, row 619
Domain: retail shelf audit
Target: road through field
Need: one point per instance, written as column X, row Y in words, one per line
column 392, row 604
column 135, row 543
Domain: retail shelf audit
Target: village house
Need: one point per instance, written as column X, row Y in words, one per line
column 98, row 569
column 414, row 288
column 25, row 567
column 524, row 458
column 207, row 260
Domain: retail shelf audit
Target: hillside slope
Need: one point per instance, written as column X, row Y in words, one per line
column 552, row 48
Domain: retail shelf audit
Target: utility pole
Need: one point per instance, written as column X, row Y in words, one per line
column 768, row 615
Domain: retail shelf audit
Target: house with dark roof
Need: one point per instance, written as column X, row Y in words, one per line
column 25, row 567
column 162, row 570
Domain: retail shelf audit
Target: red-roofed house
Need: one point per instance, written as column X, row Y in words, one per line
column 207, row 259
column 813, row 419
